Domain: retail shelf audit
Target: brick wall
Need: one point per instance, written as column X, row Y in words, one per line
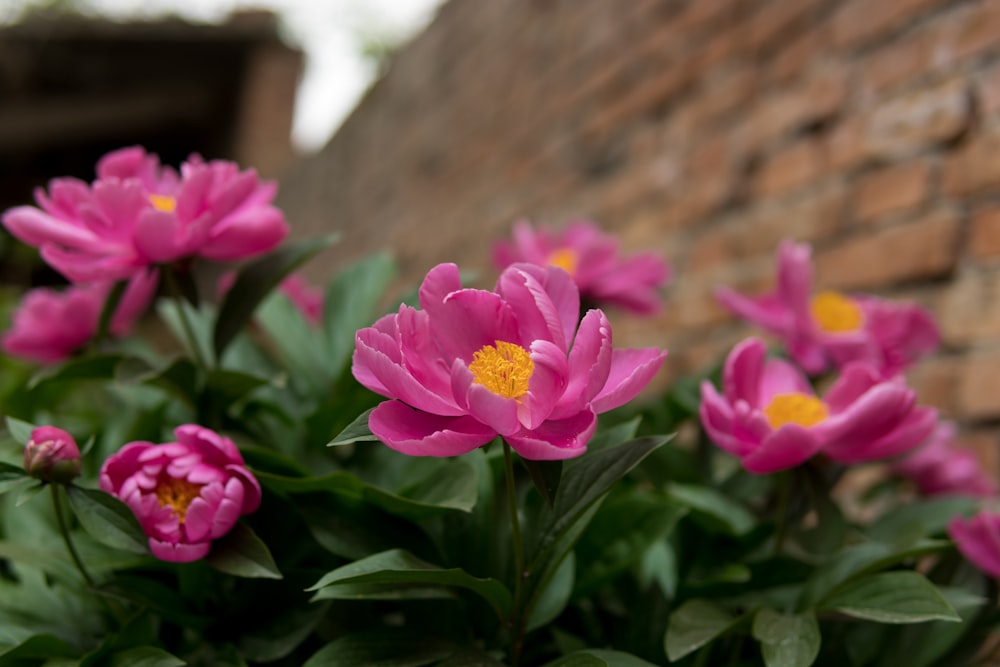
column 706, row 130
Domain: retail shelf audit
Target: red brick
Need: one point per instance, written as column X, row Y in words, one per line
column 892, row 190
column 845, row 144
column 729, row 90
column 893, row 64
column 922, row 249
column 988, row 91
column 969, row 33
column 931, row 115
column 799, row 53
column 793, row 167
column 984, row 235
column 858, row 21
column 985, row 442
column 935, row 381
column 818, row 97
column 968, row 310
column 775, row 18
column 978, row 397
column 816, row 215
column 976, row 167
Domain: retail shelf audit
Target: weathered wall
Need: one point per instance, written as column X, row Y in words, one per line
column 706, row 130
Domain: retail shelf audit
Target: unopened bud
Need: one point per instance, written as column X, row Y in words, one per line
column 51, row 455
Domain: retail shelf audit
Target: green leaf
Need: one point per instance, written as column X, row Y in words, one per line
column 693, row 625
column 299, row 343
column 919, row 519
column 20, row 430
column 40, row 646
column 109, row 307
column 282, row 634
column 255, row 281
column 350, row 304
column 545, row 475
column 96, row 367
column 891, row 597
column 9, row 482
column 356, row 431
column 787, row 641
column 857, row 560
column 711, row 505
column 397, row 567
column 145, row 656
column 107, row 519
column 593, row 657
column 243, row 554
column 556, row 595
column 389, row 647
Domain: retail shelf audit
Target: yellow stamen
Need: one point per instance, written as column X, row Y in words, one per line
column 566, row 259
column 504, row 369
column 178, row 494
column 836, row 313
column 164, row 203
column 801, row 409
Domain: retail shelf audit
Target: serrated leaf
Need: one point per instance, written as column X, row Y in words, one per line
column 891, row 597
column 693, row 625
column 787, row 640
column 399, row 567
column 356, row 431
column 107, row 519
column 242, row 554
column 255, row 281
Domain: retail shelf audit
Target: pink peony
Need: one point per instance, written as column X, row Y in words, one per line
column 49, row 325
column 769, row 416
column 137, row 214
column 941, row 467
column 592, row 258
column 978, row 539
column 184, row 494
column 831, row 328
column 52, row 455
column 472, row 364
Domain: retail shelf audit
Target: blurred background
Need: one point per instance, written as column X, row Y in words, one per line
column 706, row 130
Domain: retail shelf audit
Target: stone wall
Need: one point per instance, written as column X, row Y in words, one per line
column 706, row 130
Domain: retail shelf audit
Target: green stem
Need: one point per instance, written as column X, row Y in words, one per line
column 64, row 529
column 175, row 294
column 515, row 529
column 781, row 517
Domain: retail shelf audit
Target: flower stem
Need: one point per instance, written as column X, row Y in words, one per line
column 515, row 529
column 64, row 530
column 781, row 516
column 175, row 293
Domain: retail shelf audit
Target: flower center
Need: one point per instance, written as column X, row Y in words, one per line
column 504, row 369
column 178, row 494
column 836, row 313
column 566, row 259
column 801, row 409
column 164, row 203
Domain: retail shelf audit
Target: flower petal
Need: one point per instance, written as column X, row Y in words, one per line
column 418, row 433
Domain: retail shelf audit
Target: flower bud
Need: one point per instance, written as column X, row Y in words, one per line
column 51, row 455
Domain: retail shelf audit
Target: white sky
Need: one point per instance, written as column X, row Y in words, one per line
column 328, row 31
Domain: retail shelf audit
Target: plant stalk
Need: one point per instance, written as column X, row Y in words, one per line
column 516, row 622
column 64, row 530
column 175, row 294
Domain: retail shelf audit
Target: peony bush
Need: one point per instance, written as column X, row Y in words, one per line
column 257, row 470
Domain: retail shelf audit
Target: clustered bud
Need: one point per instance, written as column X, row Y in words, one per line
column 51, row 455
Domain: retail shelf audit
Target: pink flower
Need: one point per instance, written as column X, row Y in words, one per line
column 978, row 539
column 184, row 494
column 52, row 455
column 832, row 328
column 592, row 258
column 770, row 417
column 471, row 365
column 137, row 214
column 49, row 325
column 941, row 467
